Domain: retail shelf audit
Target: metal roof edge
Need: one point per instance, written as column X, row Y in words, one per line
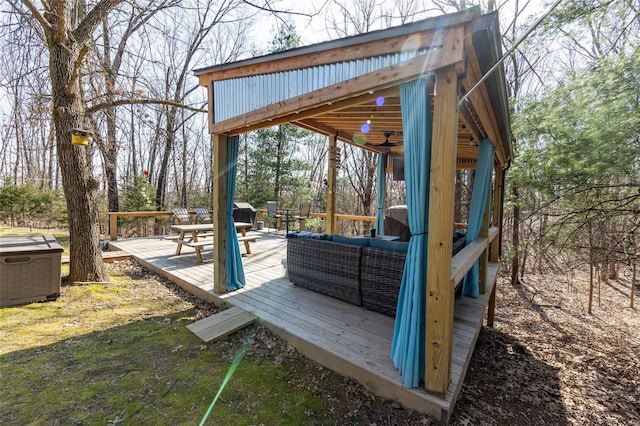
column 432, row 23
column 487, row 27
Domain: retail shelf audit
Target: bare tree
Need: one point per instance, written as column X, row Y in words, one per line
column 65, row 28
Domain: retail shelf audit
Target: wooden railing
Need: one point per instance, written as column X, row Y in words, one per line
column 460, row 264
column 464, row 260
column 113, row 219
column 340, row 216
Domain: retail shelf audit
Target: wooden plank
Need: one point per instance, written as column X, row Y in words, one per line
column 113, row 219
column 107, row 256
column 251, row 238
column 440, row 291
column 221, row 324
column 342, row 216
column 332, row 171
column 219, row 212
column 497, row 213
column 299, row 118
column 484, row 233
column 464, row 260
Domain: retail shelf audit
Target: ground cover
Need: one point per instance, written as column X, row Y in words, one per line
column 547, row 361
column 120, row 353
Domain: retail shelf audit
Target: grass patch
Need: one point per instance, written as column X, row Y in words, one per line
column 121, row 354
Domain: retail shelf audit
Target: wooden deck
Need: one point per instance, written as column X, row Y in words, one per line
column 348, row 339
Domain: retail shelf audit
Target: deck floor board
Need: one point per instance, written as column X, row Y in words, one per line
column 348, row 339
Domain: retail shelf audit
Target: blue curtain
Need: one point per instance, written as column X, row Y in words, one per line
column 407, row 348
column 235, row 271
column 479, row 196
column 380, row 190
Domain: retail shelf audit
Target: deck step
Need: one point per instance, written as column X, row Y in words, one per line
column 107, row 256
column 221, row 324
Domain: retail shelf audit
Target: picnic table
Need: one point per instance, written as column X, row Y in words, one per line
column 195, row 236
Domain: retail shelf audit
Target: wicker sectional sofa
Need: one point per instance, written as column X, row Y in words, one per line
column 361, row 271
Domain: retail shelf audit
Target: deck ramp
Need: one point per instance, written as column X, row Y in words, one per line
column 222, row 324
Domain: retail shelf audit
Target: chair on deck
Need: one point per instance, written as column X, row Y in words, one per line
column 303, row 214
column 181, row 216
column 203, row 215
column 274, row 216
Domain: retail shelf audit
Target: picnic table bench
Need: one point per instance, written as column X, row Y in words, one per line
column 191, row 235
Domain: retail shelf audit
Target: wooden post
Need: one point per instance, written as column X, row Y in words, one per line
column 331, row 189
column 494, row 254
column 484, row 233
column 219, row 216
column 440, row 289
column 497, row 214
column 491, row 310
column 113, row 226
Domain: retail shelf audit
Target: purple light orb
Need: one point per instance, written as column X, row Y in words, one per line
column 365, row 128
column 380, row 101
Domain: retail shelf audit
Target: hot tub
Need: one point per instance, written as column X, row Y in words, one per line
column 29, row 269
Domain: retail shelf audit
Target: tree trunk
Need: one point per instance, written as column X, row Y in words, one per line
column 161, row 191
column 515, row 263
column 111, row 160
column 78, row 183
column 591, row 271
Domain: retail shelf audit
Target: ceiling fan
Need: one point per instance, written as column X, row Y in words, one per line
column 386, row 142
column 386, row 145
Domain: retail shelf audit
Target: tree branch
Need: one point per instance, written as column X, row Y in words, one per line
column 91, row 21
column 35, row 14
column 105, row 105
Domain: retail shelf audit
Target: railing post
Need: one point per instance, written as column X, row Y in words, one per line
column 113, row 225
column 484, row 233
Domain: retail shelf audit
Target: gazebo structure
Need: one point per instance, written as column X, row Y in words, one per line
column 414, row 83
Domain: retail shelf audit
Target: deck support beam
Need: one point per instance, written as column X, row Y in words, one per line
column 331, row 188
column 219, row 216
column 440, row 289
column 484, row 233
column 497, row 213
column 494, row 253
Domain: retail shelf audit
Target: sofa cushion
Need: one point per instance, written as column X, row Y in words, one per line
column 389, row 245
column 356, row 241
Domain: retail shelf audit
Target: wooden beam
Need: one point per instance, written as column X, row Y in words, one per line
column 484, row 233
column 302, row 115
column 450, row 54
column 219, row 215
column 465, row 258
column 331, row 189
column 497, row 213
column 481, row 104
column 317, row 127
column 113, row 219
column 433, row 38
column 440, row 292
column 211, row 111
column 491, row 308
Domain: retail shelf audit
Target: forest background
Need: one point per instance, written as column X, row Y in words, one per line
column 124, row 70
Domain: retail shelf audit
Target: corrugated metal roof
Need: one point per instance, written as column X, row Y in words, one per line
column 237, row 96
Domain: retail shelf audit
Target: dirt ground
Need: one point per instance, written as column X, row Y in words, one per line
column 546, row 361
